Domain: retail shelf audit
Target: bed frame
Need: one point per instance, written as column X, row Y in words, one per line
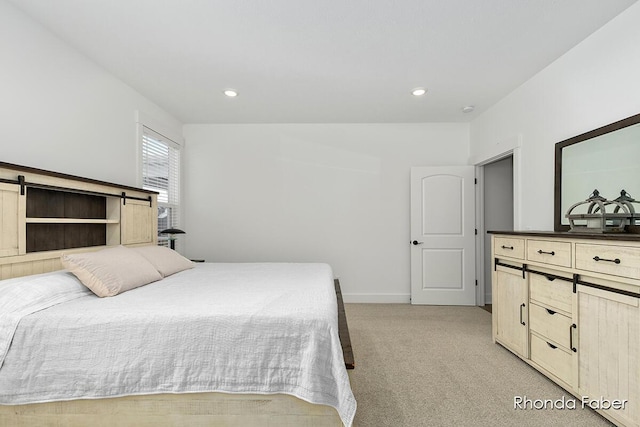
column 192, row 409
column 44, row 214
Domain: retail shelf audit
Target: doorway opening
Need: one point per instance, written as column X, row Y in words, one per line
column 495, row 212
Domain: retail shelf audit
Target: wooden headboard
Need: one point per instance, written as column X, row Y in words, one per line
column 44, row 214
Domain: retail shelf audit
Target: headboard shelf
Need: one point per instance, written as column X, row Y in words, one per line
column 60, row 219
column 70, row 221
column 46, row 212
column 49, row 237
column 64, row 204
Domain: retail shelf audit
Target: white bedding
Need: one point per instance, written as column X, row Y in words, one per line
column 236, row 328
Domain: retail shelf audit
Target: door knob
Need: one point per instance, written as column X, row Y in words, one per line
column 415, row 242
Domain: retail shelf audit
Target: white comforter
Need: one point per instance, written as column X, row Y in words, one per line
column 237, row 328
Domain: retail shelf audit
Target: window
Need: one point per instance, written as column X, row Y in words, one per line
column 161, row 173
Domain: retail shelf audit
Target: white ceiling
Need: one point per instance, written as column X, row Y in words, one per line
column 323, row 61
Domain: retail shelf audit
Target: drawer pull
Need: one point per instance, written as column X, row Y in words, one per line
column 597, row 258
column 551, row 345
column 507, row 247
column 551, row 312
column 552, row 253
column 571, row 328
column 521, row 321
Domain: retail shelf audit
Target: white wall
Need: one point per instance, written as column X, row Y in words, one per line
column 335, row 193
column 594, row 84
column 59, row 111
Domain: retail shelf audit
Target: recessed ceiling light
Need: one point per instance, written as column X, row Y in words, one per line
column 468, row 109
column 231, row 93
column 419, row 91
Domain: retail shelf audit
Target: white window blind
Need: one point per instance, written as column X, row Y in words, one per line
column 161, row 173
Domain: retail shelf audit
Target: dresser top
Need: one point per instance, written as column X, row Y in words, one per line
column 570, row 235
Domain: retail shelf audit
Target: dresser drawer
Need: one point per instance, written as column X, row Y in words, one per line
column 554, row 294
column 623, row 261
column 506, row 246
column 555, row 360
column 549, row 252
column 550, row 324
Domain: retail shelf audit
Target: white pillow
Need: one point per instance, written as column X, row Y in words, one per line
column 165, row 260
column 111, row 271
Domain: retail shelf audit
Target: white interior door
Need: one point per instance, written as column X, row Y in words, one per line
column 443, row 235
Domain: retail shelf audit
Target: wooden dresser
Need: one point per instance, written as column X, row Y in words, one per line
column 568, row 304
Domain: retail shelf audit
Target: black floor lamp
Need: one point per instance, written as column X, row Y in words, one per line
column 172, row 236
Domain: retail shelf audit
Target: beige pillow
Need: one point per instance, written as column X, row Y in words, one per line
column 165, row 260
column 111, row 271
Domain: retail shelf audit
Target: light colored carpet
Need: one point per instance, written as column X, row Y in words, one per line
column 438, row 366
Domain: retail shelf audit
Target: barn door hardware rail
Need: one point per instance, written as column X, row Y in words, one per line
column 575, row 280
column 608, row 289
column 497, row 263
column 24, row 184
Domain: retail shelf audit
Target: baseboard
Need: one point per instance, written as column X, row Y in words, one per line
column 376, row 298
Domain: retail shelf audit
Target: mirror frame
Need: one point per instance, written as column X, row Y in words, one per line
column 557, row 191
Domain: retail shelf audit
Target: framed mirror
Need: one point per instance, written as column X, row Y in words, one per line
column 606, row 159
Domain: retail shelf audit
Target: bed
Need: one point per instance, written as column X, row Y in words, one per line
column 251, row 344
column 231, row 328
